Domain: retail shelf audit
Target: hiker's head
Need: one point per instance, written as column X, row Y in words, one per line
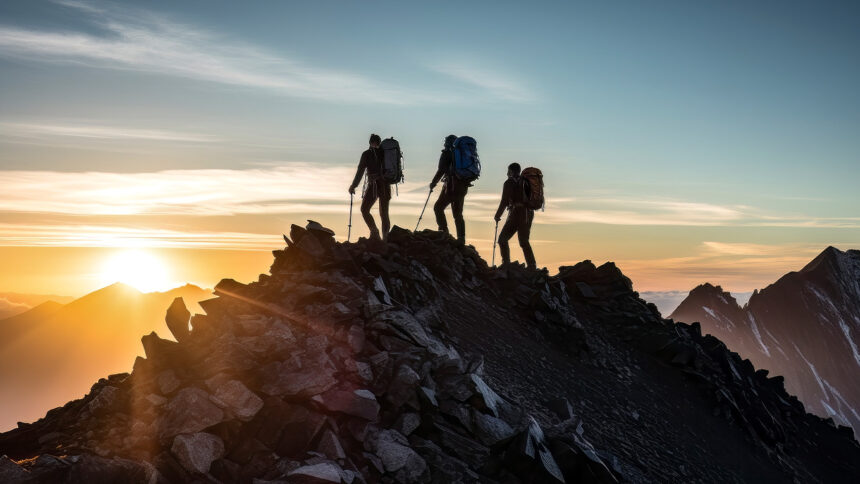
column 449, row 142
column 514, row 169
column 375, row 141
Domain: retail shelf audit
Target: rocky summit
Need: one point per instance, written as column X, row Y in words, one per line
column 415, row 362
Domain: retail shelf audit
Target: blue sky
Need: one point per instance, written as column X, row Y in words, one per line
column 676, row 137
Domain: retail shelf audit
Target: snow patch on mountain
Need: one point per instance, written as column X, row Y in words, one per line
column 847, row 332
column 757, row 334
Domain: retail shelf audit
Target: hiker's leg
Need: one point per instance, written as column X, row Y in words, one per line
column 439, row 209
column 505, row 235
column 384, row 199
column 457, row 202
column 366, row 204
column 523, row 233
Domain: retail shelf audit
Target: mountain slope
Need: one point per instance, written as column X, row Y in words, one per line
column 413, row 361
column 805, row 326
column 12, row 303
column 53, row 352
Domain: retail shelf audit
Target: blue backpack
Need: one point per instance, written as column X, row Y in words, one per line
column 467, row 166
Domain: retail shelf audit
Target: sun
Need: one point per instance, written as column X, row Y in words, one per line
column 138, row 268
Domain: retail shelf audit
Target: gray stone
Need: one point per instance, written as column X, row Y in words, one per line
column 167, row 382
column 322, row 473
column 283, row 379
column 490, row 400
column 408, row 422
column 397, row 457
column 491, row 430
column 238, row 400
column 197, row 451
column 381, row 291
column 188, row 412
column 360, row 403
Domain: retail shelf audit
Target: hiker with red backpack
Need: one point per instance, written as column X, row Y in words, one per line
column 522, row 194
column 460, row 166
column 383, row 162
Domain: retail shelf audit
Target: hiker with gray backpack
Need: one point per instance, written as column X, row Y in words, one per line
column 522, row 194
column 460, row 166
column 383, row 162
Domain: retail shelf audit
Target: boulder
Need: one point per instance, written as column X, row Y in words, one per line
column 397, row 457
column 491, row 430
column 235, row 397
column 188, row 412
column 197, row 451
column 359, row 403
column 283, row 379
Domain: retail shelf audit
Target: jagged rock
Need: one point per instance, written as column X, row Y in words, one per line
column 235, row 397
column 530, row 455
column 360, row 403
column 177, row 319
column 158, row 350
column 491, row 430
column 283, row 379
column 189, row 411
column 197, row 451
column 103, row 401
column 317, row 228
column 397, row 457
column 487, row 399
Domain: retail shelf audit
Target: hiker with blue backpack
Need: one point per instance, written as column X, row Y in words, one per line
column 460, row 166
column 522, row 194
column 383, row 162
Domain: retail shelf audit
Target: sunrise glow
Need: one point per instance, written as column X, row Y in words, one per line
column 137, row 268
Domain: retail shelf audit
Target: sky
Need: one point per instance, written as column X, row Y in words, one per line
column 686, row 142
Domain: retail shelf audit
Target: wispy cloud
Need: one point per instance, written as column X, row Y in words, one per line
column 142, row 41
column 83, row 235
column 488, row 82
column 36, row 130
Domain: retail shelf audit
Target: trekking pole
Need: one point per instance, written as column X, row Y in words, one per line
column 423, row 209
column 496, row 236
column 349, row 227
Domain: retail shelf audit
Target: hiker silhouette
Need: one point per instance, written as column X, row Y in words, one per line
column 376, row 188
column 519, row 219
column 453, row 191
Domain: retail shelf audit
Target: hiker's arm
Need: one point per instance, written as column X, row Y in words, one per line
column 362, row 164
column 443, row 166
column 503, row 204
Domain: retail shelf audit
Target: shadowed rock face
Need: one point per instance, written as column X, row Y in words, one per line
column 413, row 361
column 805, row 327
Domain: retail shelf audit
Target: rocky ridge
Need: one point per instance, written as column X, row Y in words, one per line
column 413, row 361
column 805, row 327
